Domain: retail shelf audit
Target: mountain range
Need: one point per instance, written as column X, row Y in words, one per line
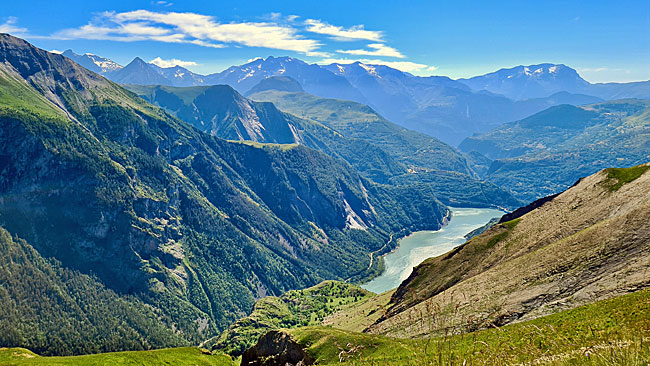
column 379, row 149
column 547, row 152
column 164, row 217
column 539, row 81
column 447, row 109
column 143, row 216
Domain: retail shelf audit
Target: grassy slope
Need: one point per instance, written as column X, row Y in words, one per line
column 18, row 96
column 359, row 315
column 292, row 309
column 189, row 356
column 617, row 177
column 611, row 332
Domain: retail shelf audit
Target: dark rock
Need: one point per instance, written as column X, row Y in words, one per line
column 276, row 348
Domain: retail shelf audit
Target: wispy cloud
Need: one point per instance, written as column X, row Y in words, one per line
column 406, row 66
column 172, row 62
column 593, row 69
column 378, row 49
column 273, row 31
column 203, row 30
column 10, row 27
column 164, row 3
column 356, row 32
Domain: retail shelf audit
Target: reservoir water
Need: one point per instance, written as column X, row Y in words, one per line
column 417, row 247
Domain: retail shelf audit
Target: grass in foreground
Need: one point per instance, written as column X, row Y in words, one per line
column 171, row 356
column 610, row 332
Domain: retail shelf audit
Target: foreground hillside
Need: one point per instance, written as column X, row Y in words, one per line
column 297, row 308
column 547, row 152
column 609, row 332
column 562, row 281
column 195, row 227
column 188, row 356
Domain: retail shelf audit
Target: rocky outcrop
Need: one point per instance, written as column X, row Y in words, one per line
column 276, row 348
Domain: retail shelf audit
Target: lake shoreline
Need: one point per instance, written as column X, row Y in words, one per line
column 423, row 244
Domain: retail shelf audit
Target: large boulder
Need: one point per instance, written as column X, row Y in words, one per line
column 276, row 348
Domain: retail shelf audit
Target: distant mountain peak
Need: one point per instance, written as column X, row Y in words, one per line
column 542, row 69
column 529, row 81
column 138, row 60
column 282, row 59
column 92, row 62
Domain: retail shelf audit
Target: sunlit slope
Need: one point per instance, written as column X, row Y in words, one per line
column 589, row 243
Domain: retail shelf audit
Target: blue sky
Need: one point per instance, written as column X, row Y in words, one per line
column 603, row 40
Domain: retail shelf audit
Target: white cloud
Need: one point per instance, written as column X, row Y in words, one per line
column 10, row 27
column 56, row 51
column 277, row 32
column 164, row 3
column 318, row 54
column 406, row 66
column 203, row 30
column 342, row 34
column 379, row 49
column 172, row 62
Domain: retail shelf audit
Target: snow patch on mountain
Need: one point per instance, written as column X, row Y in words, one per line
column 370, row 69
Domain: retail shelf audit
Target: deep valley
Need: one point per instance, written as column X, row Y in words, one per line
column 337, row 202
